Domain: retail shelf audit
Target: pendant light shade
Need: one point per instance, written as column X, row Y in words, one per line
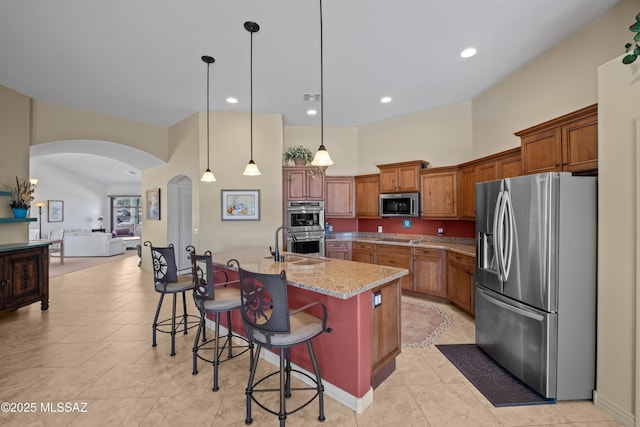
column 322, row 157
column 208, row 175
column 252, row 168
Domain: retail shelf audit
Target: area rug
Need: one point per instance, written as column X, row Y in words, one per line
column 72, row 264
column 499, row 386
column 422, row 323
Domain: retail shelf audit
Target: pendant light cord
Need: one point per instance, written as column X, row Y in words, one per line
column 208, row 141
column 251, row 93
column 321, row 84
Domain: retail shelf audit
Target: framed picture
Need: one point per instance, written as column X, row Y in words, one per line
column 56, row 210
column 153, row 204
column 240, row 205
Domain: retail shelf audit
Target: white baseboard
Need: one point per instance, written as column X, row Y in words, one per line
column 357, row 404
column 614, row 410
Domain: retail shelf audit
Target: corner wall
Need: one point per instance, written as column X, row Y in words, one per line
column 618, row 384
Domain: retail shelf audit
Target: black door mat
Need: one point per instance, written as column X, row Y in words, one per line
column 497, row 384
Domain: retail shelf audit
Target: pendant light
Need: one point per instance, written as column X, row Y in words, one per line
column 322, row 157
column 252, row 168
column 208, row 175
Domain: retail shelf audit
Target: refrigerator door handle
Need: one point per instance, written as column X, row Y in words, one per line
column 496, row 239
column 510, row 220
column 502, row 238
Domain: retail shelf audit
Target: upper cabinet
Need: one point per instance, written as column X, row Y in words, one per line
column 303, row 183
column 439, row 193
column 367, row 192
column 505, row 164
column 401, row 177
column 340, row 192
column 566, row 144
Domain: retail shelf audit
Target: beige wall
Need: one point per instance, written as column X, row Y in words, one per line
column 229, row 154
column 618, row 239
column 52, row 122
column 14, row 140
column 440, row 136
column 558, row 82
column 340, row 142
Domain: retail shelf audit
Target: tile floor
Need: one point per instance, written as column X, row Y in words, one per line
column 93, row 346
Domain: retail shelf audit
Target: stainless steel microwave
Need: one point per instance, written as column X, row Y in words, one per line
column 400, row 204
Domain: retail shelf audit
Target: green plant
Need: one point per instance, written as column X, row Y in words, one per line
column 21, row 194
column 633, row 49
column 297, row 152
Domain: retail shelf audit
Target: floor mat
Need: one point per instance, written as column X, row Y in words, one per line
column 499, row 386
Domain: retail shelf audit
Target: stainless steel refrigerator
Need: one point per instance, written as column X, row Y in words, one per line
column 535, row 283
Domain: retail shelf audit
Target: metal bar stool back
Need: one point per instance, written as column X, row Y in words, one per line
column 215, row 297
column 271, row 324
column 167, row 281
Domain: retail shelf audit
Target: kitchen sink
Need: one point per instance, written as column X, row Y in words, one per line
column 393, row 239
column 294, row 260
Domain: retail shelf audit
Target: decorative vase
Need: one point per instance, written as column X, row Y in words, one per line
column 19, row 212
column 299, row 162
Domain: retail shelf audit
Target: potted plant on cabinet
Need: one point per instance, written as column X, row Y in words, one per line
column 300, row 155
column 21, row 197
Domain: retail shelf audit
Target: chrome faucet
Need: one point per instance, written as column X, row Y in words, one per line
column 276, row 254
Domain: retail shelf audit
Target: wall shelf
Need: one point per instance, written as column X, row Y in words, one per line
column 13, row 220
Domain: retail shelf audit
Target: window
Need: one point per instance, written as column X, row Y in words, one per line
column 126, row 215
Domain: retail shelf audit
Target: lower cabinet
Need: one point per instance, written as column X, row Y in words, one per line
column 362, row 252
column 460, row 271
column 399, row 257
column 338, row 250
column 428, row 272
column 24, row 277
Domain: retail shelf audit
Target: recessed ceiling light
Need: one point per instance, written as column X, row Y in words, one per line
column 385, row 99
column 468, row 52
column 231, row 100
column 312, row 112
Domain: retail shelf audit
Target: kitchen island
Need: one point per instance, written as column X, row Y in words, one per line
column 363, row 304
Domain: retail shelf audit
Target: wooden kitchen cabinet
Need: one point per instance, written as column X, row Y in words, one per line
column 340, row 193
column 340, row 249
column 401, row 177
column 510, row 164
column 303, row 183
column 428, row 272
column 24, row 277
column 466, row 192
column 460, row 271
column 386, row 335
column 362, row 252
column 565, row 144
column 399, row 257
column 367, row 196
column 439, row 193
column 505, row 164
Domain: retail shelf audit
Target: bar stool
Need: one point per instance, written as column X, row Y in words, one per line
column 166, row 281
column 212, row 298
column 270, row 324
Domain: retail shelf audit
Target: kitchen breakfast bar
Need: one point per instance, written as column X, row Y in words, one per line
column 363, row 305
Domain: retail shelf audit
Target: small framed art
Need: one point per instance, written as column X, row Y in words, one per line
column 55, row 210
column 240, row 205
column 153, row 204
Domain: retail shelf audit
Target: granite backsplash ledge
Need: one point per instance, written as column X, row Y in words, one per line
column 412, row 237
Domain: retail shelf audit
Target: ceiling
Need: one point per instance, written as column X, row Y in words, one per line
column 140, row 60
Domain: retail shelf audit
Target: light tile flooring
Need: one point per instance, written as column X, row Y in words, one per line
column 93, row 346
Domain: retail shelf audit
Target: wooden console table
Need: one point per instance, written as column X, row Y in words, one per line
column 24, row 275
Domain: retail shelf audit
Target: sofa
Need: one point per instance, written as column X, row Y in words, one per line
column 80, row 244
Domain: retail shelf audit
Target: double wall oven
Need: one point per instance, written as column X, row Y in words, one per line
column 306, row 219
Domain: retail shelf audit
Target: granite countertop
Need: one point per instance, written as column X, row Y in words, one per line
column 463, row 246
column 328, row 276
